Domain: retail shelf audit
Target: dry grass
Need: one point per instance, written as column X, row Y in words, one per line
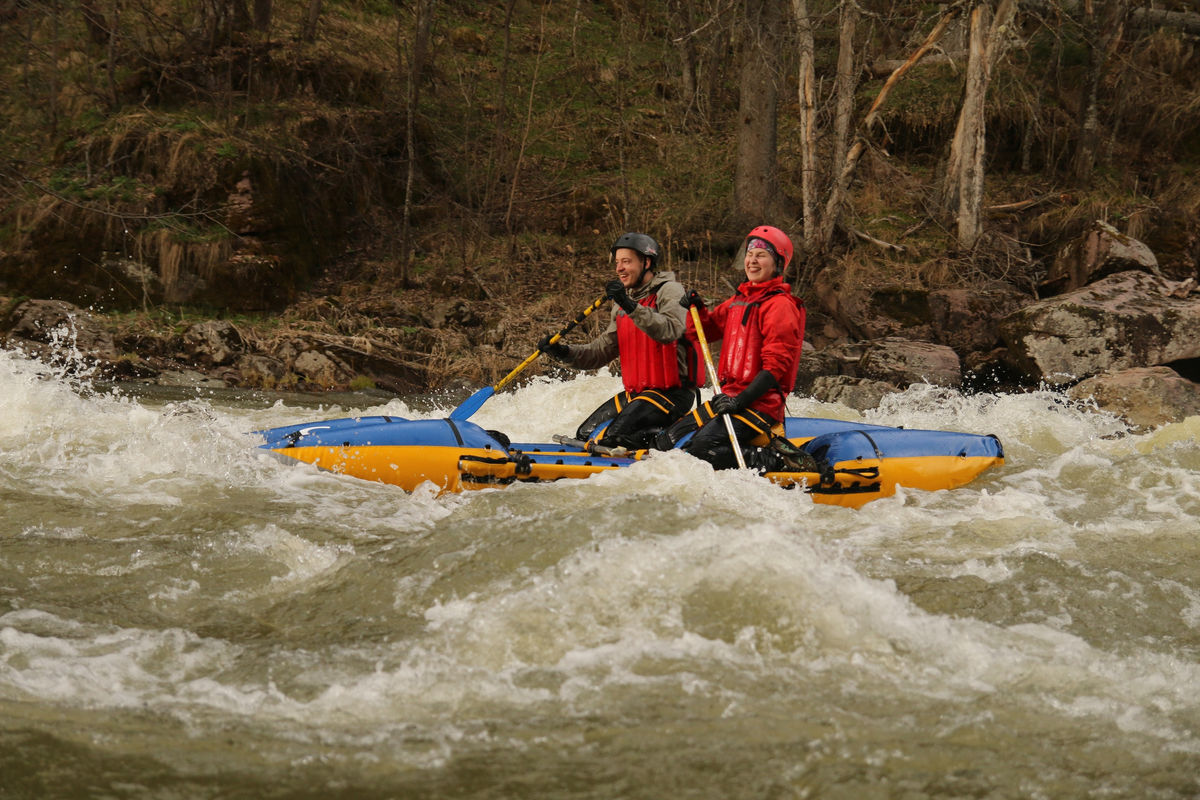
column 606, row 149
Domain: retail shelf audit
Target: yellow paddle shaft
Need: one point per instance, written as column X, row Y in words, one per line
column 716, row 386
column 580, row 317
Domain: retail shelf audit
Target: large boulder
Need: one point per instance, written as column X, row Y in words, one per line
column 835, row 359
column 320, row 369
column 60, row 322
column 1130, row 319
column 1101, row 251
column 857, row 393
column 59, row 332
column 858, row 374
column 968, row 319
column 874, row 312
column 963, row 319
column 1146, row 396
column 903, row 362
column 213, row 342
column 262, row 372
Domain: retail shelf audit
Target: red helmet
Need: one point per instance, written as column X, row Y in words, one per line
column 778, row 239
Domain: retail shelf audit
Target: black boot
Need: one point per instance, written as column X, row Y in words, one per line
column 764, row 460
column 796, row 458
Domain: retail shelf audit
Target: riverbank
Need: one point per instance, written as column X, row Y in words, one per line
column 1103, row 314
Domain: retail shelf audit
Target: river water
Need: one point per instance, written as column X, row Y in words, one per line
column 182, row 617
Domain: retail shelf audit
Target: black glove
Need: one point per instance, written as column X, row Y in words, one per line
column 724, row 404
column 615, row 291
column 762, row 383
column 691, row 299
column 558, row 351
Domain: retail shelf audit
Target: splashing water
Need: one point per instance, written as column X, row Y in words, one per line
column 181, row 616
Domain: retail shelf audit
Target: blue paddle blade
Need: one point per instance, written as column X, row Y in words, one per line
column 472, row 403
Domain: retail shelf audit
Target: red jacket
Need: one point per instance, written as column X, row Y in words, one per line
column 760, row 327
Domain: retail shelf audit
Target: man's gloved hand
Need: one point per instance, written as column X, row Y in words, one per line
column 692, row 299
column 615, row 291
column 558, row 351
column 725, row 404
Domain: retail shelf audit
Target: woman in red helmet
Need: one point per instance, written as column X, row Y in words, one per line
column 659, row 366
column 761, row 329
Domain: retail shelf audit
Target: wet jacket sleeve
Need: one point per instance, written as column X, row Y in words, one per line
column 713, row 322
column 599, row 351
column 667, row 322
column 783, row 337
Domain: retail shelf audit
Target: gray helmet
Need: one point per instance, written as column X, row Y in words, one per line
column 640, row 243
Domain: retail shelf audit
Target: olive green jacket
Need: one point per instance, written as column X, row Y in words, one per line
column 664, row 323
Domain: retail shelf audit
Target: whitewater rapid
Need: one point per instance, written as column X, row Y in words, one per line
column 181, row 616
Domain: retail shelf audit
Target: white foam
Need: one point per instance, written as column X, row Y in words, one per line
column 575, row 596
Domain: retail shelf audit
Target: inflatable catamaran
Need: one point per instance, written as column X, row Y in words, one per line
column 851, row 463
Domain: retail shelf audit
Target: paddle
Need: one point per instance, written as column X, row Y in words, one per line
column 712, row 373
column 473, row 403
column 591, row 447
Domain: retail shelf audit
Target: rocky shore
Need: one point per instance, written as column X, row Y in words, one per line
column 1105, row 325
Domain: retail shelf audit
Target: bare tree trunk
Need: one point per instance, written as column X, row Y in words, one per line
column 497, row 165
column 516, row 172
column 308, row 31
column 1186, row 21
column 841, row 185
column 1102, row 37
column 756, row 181
column 240, row 15
column 55, row 60
column 846, row 83
column 93, row 20
column 682, row 10
column 806, row 88
column 220, row 19
column 111, row 68
column 422, row 23
column 964, row 180
column 262, row 15
column 962, row 190
column 847, row 80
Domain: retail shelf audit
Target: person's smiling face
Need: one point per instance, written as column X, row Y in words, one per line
column 760, row 265
column 629, row 267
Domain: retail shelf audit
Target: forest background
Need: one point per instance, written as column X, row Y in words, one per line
column 422, row 189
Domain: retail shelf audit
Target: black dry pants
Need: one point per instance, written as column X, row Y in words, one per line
column 637, row 418
column 711, row 441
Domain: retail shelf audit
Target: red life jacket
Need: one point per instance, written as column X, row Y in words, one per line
column 647, row 364
column 741, row 348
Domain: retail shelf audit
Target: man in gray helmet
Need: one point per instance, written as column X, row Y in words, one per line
column 659, row 366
